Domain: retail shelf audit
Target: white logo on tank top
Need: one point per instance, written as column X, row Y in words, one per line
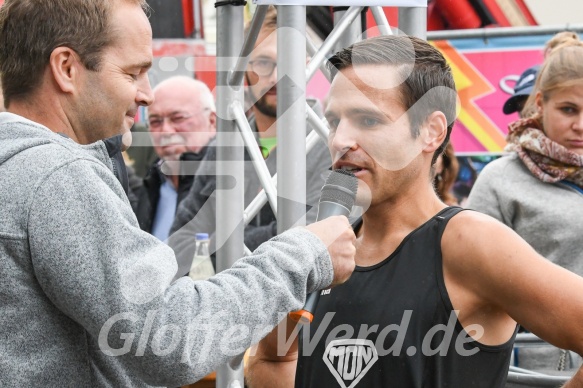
column 350, row 359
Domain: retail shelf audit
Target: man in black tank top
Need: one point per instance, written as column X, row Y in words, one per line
column 437, row 292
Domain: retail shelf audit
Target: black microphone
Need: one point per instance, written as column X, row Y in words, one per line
column 337, row 199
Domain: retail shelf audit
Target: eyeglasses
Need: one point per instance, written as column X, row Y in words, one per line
column 263, row 67
column 175, row 119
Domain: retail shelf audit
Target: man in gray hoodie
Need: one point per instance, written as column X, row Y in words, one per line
column 86, row 297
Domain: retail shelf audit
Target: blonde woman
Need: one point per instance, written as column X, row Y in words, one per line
column 537, row 189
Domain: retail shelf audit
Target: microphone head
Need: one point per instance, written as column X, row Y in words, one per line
column 340, row 187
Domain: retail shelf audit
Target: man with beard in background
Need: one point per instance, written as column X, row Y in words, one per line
column 196, row 214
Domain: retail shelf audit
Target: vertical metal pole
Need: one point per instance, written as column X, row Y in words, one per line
column 238, row 73
column 413, row 21
column 291, row 116
column 229, row 163
column 352, row 34
column 197, row 33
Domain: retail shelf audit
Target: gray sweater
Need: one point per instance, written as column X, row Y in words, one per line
column 85, row 295
column 549, row 216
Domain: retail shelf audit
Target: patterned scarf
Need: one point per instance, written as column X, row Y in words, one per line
column 546, row 159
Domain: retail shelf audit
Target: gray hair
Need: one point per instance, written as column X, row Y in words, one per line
column 206, row 96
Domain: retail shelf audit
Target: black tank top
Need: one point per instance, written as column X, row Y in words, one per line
column 393, row 325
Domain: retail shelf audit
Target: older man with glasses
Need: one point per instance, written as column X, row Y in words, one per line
column 182, row 121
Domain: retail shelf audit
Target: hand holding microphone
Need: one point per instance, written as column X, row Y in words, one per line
column 336, row 201
column 337, row 234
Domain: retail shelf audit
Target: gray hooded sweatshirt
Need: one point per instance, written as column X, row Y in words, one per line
column 86, row 297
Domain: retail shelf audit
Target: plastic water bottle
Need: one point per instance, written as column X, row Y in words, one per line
column 202, row 266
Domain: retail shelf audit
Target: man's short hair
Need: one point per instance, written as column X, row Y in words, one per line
column 31, row 29
column 269, row 22
column 422, row 68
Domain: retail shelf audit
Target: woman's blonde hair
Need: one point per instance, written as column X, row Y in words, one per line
column 562, row 68
column 559, row 39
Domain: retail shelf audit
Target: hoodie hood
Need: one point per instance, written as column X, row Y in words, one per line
column 18, row 134
column 114, row 150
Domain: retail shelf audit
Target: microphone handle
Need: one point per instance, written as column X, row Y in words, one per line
column 306, row 315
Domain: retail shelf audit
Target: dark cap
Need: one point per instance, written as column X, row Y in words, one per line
column 524, row 86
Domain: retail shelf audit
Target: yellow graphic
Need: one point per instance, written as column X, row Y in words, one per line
column 471, row 85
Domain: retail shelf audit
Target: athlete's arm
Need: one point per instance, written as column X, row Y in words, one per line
column 492, row 275
column 576, row 381
column 266, row 368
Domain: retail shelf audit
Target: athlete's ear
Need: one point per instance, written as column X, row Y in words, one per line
column 435, row 131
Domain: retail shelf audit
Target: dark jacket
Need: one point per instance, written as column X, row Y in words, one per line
column 145, row 199
column 196, row 214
